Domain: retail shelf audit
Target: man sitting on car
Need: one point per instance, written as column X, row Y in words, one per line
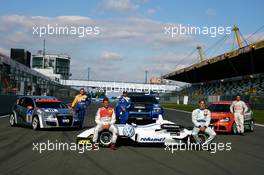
column 201, row 119
column 105, row 119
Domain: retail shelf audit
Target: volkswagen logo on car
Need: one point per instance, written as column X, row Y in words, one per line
column 129, row 131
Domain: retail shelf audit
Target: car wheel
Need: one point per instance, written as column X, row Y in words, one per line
column 251, row 126
column 234, row 129
column 202, row 137
column 105, row 138
column 35, row 123
column 12, row 119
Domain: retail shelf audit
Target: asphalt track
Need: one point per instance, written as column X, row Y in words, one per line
column 17, row 155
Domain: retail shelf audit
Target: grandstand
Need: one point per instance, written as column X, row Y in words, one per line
column 240, row 71
column 247, row 85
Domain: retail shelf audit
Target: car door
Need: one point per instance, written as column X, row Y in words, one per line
column 19, row 110
column 27, row 111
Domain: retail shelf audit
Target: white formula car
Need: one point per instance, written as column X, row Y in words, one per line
column 162, row 131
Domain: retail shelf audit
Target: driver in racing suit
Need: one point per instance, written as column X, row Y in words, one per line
column 201, row 118
column 80, row 104
column 123, row 106
column 105, row 119
column 238, row 108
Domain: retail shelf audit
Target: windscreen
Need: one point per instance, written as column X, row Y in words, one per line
column 50, row 105
column 144, row 99
column 219, row 108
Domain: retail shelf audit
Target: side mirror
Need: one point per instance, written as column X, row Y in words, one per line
column 29, row 107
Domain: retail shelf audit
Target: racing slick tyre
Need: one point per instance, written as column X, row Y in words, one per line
column 105, row 138
column 35, row 123
column 12, row 119
column 234, row 129
column 203, row 137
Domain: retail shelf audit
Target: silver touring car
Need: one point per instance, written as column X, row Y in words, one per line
column 42, row 112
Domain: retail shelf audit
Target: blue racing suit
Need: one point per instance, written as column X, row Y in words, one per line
column 81, row 102
column 122, row 110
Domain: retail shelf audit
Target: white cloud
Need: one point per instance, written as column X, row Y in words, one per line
column 119, row 5
column 143, row 29
column 130, row 33
column 167, row 62
column 4, row 51
column 111, row 56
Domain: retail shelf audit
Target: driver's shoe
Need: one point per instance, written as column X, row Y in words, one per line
column 113, row 147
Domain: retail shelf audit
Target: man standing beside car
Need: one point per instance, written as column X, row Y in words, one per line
column 201, row 118
column 239, row 108
column 80, row 104
column 124, row 103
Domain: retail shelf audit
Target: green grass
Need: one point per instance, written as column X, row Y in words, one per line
column 258, row 114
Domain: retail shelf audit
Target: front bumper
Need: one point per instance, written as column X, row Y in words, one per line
column 60, row 121
column 226, row 127
column 222, row 126
column 143, row 116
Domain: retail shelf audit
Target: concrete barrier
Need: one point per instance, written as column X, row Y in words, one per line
column 6, row 103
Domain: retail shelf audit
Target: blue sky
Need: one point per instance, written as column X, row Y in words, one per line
column 132, row 38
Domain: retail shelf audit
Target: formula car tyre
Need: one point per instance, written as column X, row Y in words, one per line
column 203, row 137
column 105, row 138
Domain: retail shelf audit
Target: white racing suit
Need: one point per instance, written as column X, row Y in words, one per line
column 105, row 116
column 238, row 108
column 202, row 118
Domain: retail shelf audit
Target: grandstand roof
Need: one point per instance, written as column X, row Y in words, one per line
column 244, row 61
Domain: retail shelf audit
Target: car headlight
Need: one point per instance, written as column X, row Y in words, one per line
column 49, row 115
column 226, row 119
column 157, row 109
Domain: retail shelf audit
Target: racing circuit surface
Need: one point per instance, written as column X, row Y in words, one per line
column 17, row 156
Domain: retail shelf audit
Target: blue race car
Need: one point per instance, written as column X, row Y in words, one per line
column 143, row 108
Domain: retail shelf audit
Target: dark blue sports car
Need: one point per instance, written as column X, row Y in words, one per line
column 144, row 107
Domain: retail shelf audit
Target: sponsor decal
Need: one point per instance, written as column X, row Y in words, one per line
column 84, row 141
column 150, row 139
column 29, row 115
column 50, row 110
